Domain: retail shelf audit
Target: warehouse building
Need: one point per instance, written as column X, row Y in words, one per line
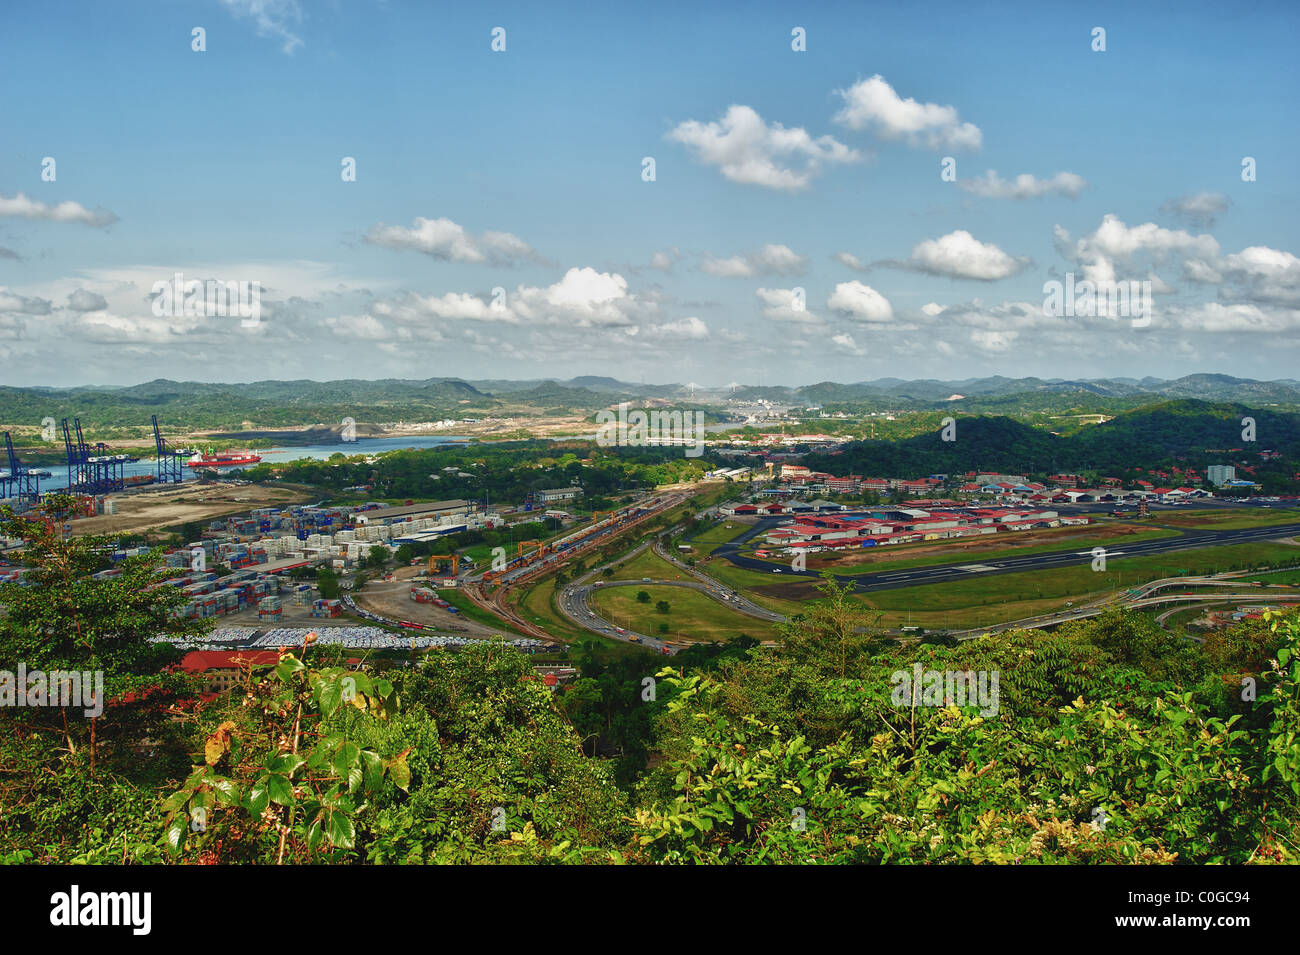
column 386, row 515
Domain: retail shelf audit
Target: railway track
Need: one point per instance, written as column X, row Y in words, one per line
column 495, row 602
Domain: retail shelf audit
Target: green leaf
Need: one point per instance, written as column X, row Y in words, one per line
column 374, row 770
column 329, row 696
column 286, row 763
column 314, row 834
column 226, row 791
column 280, row 789
column 348, row 754
column 176, row 800
column 259, row 797
column 287, row 667
column 340, row 829
column 176, row 834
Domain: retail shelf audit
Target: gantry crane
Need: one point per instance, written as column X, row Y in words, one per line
column 435, row 558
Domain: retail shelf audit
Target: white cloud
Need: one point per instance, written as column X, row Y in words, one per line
column 1158, row 285
column 1002, row 316
column 748, row 150
column 664, row 260
column 83, row 301
column 849, row 260
column 769, row 260
column 1218, row 317
column 452, row 305
column 271, row 18
column 1200, row 209
column 448, row 241
column 873, row 105
column 785, row 305
column 844, row 341
column 364, row 327
column 583, row 298
column 22, row 304
column 1266, row 275
column 1024, row 186
column 25, row 207
column 933, row 309
column 690, row 328
column 1115, row 246
column 860, row 302
column 960, row 255
column 1202, row 272
column 993, row 341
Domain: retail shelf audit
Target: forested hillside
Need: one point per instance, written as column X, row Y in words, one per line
column 1154, row 436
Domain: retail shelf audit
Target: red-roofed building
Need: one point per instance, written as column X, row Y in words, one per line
column 223, row 667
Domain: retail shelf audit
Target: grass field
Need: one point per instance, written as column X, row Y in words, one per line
column 645, row 564
column 693, row 616
column 707, row 541
column 1228, row 520
column 980, row 600
column 1278, row 578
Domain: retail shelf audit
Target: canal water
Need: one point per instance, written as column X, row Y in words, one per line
column 59, row 478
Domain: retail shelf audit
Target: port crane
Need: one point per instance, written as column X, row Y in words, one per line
column 171, row 463
column 20, row 481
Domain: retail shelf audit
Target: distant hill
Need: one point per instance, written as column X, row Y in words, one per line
column 1150, row 436
column 278, row 404
column 1206, row 387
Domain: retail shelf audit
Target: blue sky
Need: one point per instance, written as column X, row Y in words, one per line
column 775, row 171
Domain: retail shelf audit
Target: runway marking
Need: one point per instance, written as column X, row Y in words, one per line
column 975, row 568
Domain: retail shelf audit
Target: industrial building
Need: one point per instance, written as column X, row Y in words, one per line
column 551, row 495
column 386, row 515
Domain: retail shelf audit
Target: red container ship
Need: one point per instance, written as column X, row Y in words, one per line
column 226, row 459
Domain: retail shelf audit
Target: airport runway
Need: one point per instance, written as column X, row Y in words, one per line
column 887, row 579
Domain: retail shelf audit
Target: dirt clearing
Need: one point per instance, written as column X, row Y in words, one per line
column 393, row 600
column 140, row 512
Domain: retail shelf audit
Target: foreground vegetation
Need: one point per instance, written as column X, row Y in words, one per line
column 1110, row 741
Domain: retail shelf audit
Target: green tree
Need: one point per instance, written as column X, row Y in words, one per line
column 64, row 619
column 327, row 582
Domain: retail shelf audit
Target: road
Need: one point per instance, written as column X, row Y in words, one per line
column 573, row 604
column 1143, row 596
